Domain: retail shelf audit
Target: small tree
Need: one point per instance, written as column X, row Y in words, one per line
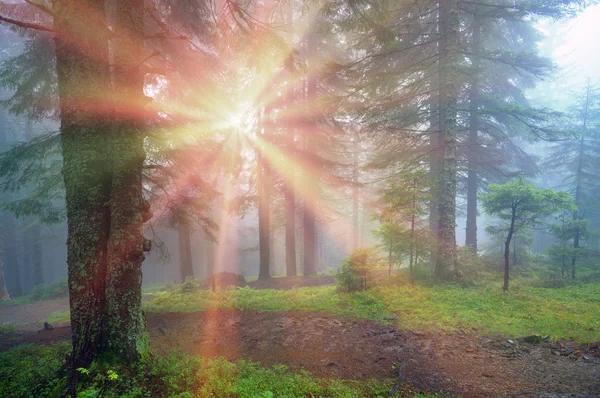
column 352, row 276
column 519, row 205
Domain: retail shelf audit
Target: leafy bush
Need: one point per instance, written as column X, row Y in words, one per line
column 470, row 265
column 54, row 290
column 352, row 276
column 30, row 371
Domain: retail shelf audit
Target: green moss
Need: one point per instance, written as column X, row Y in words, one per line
column 30, row 371
column 568, row 313
column 58, row 317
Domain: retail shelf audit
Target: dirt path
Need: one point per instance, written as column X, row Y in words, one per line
column 27, row 317
column 330, row 347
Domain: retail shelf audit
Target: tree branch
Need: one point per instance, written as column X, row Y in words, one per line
column 25, row 25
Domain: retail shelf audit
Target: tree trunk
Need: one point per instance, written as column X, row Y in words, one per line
column 355, row 150
column 85, row 111
column 36, row 255
column 129, row 210
column 290, row 176
column 473, row 145
column 8, row 231
column 4, row 296
column 35, row 233
column 390, row 255
column 507, row 248
column 26, row 248
column 412, row 232
column 310, row 173
column 448, row 89
column 576, row 213
column 186, row 265
column 290, row 217
column 264, row 209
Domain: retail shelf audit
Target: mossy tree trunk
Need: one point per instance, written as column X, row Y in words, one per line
column 473, row 146
column 310, row 172
column 82, row 64
column 448, row 92
column 290, row 175
column 263, row 181
column 186, row 265
column 129, row 210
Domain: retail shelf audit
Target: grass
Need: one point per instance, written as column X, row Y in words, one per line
column 358, row 305
column 31, row 371
column 7, row 328
column 566, row 313
column 58, row 317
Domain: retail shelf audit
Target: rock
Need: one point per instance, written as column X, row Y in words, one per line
column 533, row 339
column 511, row 341
column 555, row 352
column 47, row 326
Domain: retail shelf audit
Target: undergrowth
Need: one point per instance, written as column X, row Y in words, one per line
column 567, row 313
column 31, row 371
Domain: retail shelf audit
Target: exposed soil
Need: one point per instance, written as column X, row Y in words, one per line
column 29, row 317
column 331, row 347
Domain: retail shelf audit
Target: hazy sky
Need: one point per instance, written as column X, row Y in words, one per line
column 575, row 47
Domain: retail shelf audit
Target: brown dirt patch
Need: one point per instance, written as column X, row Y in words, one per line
column 27, row 317
column 330, row 347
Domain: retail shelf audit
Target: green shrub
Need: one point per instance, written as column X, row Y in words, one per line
column 31, row 371
column 353, row 275
column 57, row 289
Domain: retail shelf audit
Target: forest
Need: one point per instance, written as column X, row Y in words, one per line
column 300, row 198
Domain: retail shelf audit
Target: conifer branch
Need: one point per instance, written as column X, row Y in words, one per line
column 25, row 25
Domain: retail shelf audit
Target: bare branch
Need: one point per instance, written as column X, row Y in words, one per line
column 25, row 25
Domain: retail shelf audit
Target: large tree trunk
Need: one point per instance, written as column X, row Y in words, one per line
column 412, row 232
column 36, row 255
column 85, row 110
column 4, row 296
column 8, row 231
column 473, row 145
column 434, row 169
column 310, row 172
column 264, row 210
column 186, row 265
column 290, row 175
column 448, row 89
column 27, row 269
column 578, row 181
column 355, row 150
column 129, row 210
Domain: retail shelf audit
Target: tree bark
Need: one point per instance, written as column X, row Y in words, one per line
column 310, row 173
column 36, row 255
column 473, row 145
column 355, row 150
column 290, row 175
column 129, row 210
column 264, row 210
column 412, row 232
column 576, row 213
column 448, row 89
column 186, row 265
column 84, row 85
column 507, row 248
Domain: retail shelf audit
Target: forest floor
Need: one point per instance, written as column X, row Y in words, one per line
column 330, row 346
